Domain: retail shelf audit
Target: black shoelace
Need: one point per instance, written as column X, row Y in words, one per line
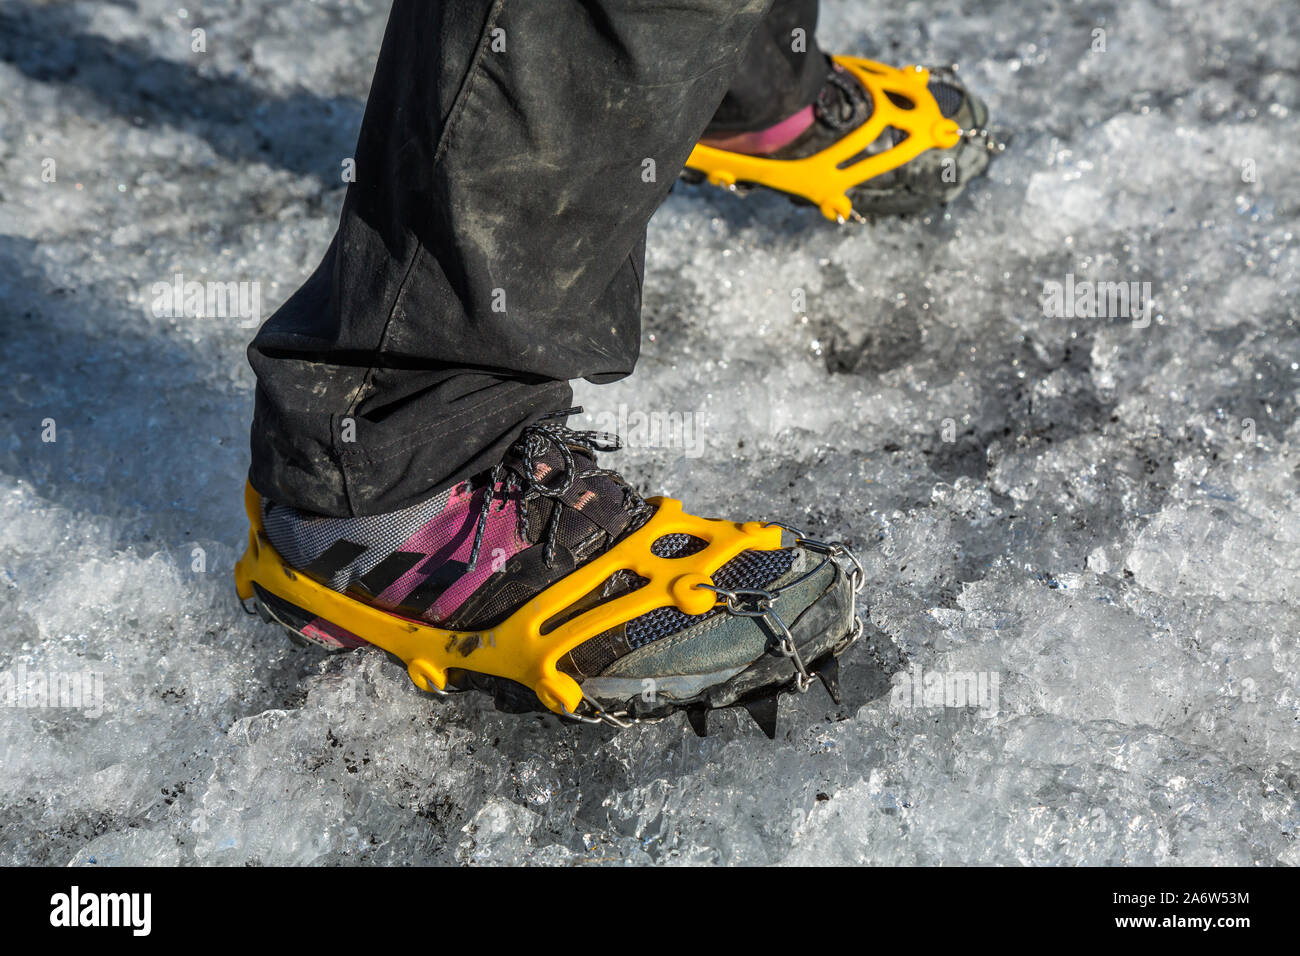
column 534, row 442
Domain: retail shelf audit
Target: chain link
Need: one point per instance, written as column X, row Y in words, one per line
column 991, row 142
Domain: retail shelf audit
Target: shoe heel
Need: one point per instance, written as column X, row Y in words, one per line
column 304, row 628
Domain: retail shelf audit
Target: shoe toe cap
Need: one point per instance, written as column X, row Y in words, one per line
column 814, row 599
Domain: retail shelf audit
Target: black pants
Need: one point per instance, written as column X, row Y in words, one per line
column 492, row 246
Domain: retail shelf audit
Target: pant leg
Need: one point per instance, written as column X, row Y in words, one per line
column 491, row 248
column 781, row 72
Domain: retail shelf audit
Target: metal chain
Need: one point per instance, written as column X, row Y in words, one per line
column 991, row 143
column 756, row 602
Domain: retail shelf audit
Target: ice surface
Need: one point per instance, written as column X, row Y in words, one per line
column 1101, row 515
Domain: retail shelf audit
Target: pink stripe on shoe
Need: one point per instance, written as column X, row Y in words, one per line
column 763, row 141
column 450, row 537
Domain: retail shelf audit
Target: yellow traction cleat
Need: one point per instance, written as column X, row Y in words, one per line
column 522, row 648
column 826, row 178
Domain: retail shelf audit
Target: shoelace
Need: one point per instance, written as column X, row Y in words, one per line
column 533, row 443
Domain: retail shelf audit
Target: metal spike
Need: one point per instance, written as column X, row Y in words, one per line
column 698, row 718
column 763, row 710
column 830, row 675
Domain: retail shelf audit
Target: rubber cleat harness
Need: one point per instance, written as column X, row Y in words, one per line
column 825, row 178
column 525, row 648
